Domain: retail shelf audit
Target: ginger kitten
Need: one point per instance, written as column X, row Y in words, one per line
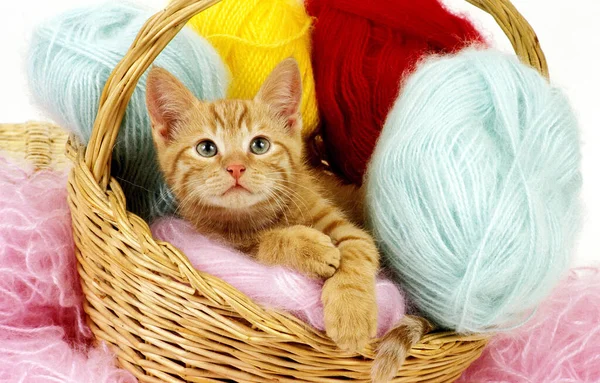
column 237, row 170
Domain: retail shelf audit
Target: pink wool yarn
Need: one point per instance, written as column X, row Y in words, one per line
column 561, row 344
column 43, row 335
column 41, row 355
column 38, row 279
column 274, row 287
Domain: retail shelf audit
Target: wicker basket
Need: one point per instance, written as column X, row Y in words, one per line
column 38, row 143
column 170, row 323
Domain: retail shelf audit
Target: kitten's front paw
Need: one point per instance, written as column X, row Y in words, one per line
column 320, row 258
column 350, row 313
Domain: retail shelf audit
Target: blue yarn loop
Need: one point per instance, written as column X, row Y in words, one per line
column 70, row 59
column 472, row 192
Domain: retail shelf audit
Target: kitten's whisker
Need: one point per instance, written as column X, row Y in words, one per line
column 291, row 194
column 188, row 199
column 123, row 180
column 293, row 183
column 183, row 203
column 281, row 205
column 288, row 189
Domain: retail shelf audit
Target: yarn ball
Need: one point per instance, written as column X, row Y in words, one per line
column 472, row 191
column 253, row 36
column 70, row 60
column 273, row 287
column 361, row 51
column 561, row 344
column 43, row 335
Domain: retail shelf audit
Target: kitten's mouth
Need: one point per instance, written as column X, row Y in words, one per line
column 237, row 188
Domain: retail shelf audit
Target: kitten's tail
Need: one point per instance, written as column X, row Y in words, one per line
column 395, row 345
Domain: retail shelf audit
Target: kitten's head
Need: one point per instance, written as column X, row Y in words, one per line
column 234, row 154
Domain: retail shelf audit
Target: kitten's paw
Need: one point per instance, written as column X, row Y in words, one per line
column 350, row 314
column 320, row 258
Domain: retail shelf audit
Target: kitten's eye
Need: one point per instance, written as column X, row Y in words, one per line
column 207, row 148
column 260, row 145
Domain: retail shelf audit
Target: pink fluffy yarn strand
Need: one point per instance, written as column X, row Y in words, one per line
column 561, row 344
column 274, row 287
column 43, row 335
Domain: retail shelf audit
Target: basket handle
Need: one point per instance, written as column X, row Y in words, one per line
column 154, row 36
column 161, row 28
column 520, row 33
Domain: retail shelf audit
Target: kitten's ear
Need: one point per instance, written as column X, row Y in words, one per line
column 282, row 91
column 167, row 100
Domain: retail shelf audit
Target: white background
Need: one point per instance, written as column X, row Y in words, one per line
column 569, row 32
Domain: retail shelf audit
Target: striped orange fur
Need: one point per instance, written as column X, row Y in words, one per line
column 268, row 204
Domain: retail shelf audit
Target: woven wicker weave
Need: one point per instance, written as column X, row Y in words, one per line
column 41, row 144
column 170, row 323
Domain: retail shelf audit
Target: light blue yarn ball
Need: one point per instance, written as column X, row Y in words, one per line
column 70, row 60
column 472, row 192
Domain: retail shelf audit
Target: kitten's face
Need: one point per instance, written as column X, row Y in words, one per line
column 231, row 154
column 234, row 154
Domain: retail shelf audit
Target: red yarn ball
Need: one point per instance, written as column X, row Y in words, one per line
column 361, row 51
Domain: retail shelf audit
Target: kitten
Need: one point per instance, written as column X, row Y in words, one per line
column 237, row 169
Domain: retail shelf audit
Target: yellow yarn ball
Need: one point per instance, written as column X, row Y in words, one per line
column 253, row 36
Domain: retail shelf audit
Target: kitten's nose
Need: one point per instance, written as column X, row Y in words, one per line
column 236, row 170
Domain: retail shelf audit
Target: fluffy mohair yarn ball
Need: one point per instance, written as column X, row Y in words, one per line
column 473, row 188
column 361, row 51
column 253, row 36
column 70, row 59
column 43, row 334
column 561, row 344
